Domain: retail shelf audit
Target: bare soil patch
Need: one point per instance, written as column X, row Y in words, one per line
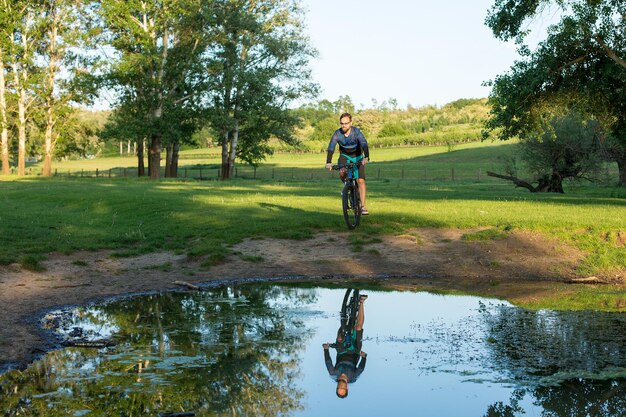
column 522, row 264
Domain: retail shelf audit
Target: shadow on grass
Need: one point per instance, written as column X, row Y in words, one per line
column 205, row 218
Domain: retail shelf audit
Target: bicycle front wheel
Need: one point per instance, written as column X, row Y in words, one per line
column 351, row 205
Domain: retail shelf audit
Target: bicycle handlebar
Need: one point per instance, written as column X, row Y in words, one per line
column 347, row 166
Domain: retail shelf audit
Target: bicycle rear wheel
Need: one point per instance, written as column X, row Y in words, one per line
column 349, row 309
column 351, row 205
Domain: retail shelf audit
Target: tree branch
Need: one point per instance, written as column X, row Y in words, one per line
column 515, row 180
column 610, row 52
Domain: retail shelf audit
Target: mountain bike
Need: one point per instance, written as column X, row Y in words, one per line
column 348, row 318
column 350, row 197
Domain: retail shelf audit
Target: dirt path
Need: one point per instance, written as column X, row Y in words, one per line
column 522, row 264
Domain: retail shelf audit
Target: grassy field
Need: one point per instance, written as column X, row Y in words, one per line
column 203, row 218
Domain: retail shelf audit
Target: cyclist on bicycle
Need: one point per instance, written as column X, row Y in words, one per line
column 347, row 368
column 352, row 144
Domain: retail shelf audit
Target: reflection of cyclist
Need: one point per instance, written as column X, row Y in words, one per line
column 347, row 368
column 352, row 144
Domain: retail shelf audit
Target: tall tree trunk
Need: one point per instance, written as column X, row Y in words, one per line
column 155, row 156
column 50, row 102
column 174, row 167
column 47, row 161
column 4, row 128
column 233, row 149
column 621, row 165
column 225, row 160
column 141, row 170
column 168, row 160
column 21, row 123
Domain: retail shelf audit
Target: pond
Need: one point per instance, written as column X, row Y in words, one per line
column 256, row 350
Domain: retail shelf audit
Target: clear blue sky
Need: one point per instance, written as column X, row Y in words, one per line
column 418, row 52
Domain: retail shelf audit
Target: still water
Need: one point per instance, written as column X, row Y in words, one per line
column 256, row 350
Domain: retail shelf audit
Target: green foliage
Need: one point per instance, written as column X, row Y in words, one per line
column 567, row 147
column 458, row 122
column 580, row 64
column 393, row 129
column 258, row 63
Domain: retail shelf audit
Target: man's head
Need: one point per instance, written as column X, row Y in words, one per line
column 346, row 122
column 342, row 386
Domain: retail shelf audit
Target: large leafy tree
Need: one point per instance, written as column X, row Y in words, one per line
column 64, row 27
column 156, row 70
column 7, row 21
column 258, row 64
column 581, row 64
column 20, row 37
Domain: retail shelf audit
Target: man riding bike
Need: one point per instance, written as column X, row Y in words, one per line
column 350, row 360
column 352, row 144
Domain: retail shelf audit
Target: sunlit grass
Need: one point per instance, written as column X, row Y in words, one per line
column 205, row 218
column 294, row 197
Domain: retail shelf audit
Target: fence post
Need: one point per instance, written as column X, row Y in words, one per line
column 124, row 172
column 185, row 172
column 55, row 172
column 109, row 172
column 96, row 172
column 82, row 173
column 236, row 172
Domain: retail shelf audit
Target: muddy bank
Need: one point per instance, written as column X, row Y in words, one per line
column 521, row 265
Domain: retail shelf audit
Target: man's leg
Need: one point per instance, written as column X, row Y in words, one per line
column 361, row 319
column 362, row 191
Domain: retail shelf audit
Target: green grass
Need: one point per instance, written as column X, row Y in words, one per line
column 486, row 234
column 603, row 298
column 32, row 263
column 204, row 218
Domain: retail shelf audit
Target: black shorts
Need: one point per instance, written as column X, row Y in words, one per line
column 342, row 161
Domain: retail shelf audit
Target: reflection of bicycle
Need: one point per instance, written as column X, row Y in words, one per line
column 348, row 317
column 350, row 196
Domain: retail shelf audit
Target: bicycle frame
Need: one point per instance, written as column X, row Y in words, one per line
column 348, row 318
column 350, row 196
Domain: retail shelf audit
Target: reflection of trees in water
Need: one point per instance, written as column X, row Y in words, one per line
column 547, row 343
column 575, row 397
column 573, row 362
column 226, row 352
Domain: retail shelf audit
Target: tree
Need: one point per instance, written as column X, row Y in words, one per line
column 64, row 30
column 257, row 64
column 580, row 64
column 23, row 35
column 6, row 23
column 567, row 147
column 158, row 69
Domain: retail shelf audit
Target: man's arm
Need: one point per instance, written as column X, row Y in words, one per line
column 331, row 149
column 363, row 143
column 329, row 362
column 361, row 366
